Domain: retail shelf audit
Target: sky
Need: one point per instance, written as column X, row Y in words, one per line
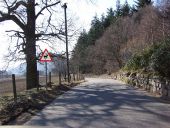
column 82, row 12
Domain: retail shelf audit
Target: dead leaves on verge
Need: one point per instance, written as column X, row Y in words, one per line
column 30, row 101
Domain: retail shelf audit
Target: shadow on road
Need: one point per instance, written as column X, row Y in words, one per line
column 104, row 105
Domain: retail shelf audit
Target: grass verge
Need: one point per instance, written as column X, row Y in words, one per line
column 29, row 103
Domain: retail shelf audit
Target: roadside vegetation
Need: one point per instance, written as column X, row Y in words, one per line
column 29, row 102
column 153, row 59
column 129, row 38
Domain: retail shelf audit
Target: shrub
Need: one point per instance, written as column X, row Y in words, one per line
column 146, row 55
column 134, row 63
column 160, row 60
column 155, row 58
column 141, row 60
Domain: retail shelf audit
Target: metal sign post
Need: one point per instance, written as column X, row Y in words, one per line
column 46, row 57
column 46, row 73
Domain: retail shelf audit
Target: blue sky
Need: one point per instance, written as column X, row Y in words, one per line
column 82, row 13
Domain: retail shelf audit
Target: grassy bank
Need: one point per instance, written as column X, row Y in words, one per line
column 29, row 103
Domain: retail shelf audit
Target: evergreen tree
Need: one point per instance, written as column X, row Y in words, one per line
column 96, row 30
column 118, row 11
column 133, row 9
column 79, row 55
column 126, row 9
column 109, row 18
column 142, row 3
column 103, row 18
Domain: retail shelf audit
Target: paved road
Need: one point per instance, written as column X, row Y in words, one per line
column 104, row 103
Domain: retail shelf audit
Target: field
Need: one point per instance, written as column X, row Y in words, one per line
column 6, row 88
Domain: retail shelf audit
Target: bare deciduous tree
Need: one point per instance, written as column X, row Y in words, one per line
column 36, row 22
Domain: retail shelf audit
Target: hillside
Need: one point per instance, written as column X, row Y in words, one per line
column 115, row 38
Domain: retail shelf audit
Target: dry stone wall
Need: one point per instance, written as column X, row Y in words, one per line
column 152, row 84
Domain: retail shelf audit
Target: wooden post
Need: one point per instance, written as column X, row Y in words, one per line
column 65, row 77
column 80, row 76
column 38, row 81
column 66, row 34
column 49, row 78
column 14, row 87
column 70, row 77
column 59, row 78
column 84, row 77
column 74, row 77
column 77, row 77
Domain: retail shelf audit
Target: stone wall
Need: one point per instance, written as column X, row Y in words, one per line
column 152, row 84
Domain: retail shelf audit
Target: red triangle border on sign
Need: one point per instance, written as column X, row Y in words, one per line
column 48, row 55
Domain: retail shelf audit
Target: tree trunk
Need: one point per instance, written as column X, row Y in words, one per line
column 31, row 46
column 31, row 64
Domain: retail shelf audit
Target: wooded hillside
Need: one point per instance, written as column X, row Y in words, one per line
column 113, row 39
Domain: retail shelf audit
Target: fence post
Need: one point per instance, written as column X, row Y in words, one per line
column 70, row 77
column 77, row 77
column 59, row 77
column 49, row 78
column 65, row 76
column 14, row 87
column 74, row 77
column 81, row 77
column 38, row 80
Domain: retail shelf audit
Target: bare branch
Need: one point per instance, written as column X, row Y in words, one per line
column 5, row 17
column 19, row 3
column 49, row 34
column 15, row 31
column 45, row 7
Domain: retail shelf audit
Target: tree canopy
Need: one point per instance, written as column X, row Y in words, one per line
column 35, row 20
column 114, row 38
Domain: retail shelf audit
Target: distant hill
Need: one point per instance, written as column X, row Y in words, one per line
column 58, row 60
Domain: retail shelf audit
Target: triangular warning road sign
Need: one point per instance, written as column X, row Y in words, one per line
column 45, row 57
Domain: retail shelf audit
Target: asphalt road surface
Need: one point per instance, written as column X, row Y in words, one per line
column 104, row 103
